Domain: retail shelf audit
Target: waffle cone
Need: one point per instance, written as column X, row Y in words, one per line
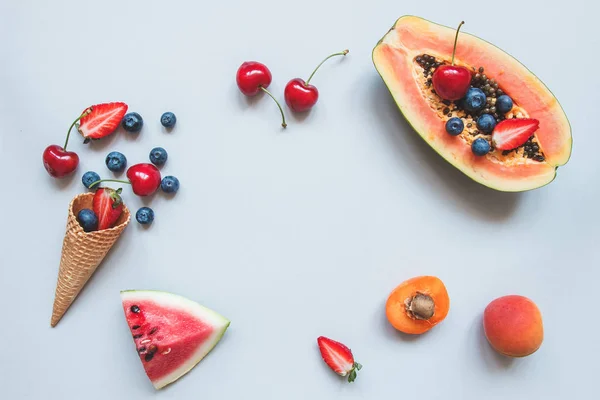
column 82, row 252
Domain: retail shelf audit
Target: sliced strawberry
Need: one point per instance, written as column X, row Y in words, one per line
column 512, row 133
column 103, row 120
column 338, row 357
column 108, row 206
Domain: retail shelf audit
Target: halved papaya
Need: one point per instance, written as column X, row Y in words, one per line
column 398, row 59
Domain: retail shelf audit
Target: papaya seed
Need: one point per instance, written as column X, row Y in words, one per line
column 420, row 306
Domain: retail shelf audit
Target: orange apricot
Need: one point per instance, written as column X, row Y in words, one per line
column 513, row 326
column 417, row 305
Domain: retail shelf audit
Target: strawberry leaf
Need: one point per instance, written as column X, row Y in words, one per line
column 352, row 375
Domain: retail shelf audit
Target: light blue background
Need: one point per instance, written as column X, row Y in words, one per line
column 290, row 234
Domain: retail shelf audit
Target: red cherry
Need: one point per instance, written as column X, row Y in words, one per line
column 301, row 96
column 253, row 77
column 449, row 81
column 59, row 162
column 144, row 178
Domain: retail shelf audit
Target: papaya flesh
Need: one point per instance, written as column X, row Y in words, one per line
column 395, row 58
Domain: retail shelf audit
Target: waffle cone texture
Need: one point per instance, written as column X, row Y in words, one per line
column 82, row 252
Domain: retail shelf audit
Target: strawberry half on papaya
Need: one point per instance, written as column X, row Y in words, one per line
column 507, row 131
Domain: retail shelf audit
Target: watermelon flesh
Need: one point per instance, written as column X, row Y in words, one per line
column 171, row 333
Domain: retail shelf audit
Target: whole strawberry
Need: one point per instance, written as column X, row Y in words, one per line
column 108, row 206
column 338, row 357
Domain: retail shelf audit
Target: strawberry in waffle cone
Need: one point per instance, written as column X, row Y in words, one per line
column 84, row 249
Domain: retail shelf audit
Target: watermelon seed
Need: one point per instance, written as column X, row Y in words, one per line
column 135, row 309
column 153, row 331
column 142, row 349
column 145, row 341
column 137, row 336
column 164, row 353
column 135, row 327
column 148, row 357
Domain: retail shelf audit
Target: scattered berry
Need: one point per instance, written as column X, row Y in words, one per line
column 169, row 184
column 144, row 178
column 504, row 104
column 144, row 215
column 57, row 160
column 302, row 96
column 168, row 119
column 133, row 122
column 486, row 123
column 158, row 156
column 512, row 133
column 87, row 219
column 480, row 147
column 338, row 357
column 455, row 126
column 116, row 161
column 102, row 120
column 89, row 177
column 474, row 100
column 108, row 206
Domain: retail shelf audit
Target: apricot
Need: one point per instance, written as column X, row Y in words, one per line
column 513, row 326
column 417, row 305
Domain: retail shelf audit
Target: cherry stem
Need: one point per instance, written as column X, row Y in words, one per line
column 456, row 40
column 86, row 112
column 342, row 53
column 109, row 180
column 278, row 105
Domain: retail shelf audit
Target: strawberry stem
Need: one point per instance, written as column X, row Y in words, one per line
column 352, row 375
column 86, row 112
column 341, row 53
column 456, row 40
column 278, row 105
column 109, row 180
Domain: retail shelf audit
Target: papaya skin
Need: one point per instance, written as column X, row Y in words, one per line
column 390, row 56
column 408, row 307
column 513, row 326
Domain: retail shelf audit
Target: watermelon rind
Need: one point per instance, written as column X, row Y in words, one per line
column 216, row 320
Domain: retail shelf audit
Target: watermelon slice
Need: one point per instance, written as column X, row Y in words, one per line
column 171, row 333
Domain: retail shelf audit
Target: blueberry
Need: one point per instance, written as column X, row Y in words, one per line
column 89, row 177
column 169, row 184
column 158, row 156
column 144, row 215
column 168, row 119
column 504, row 104
column 486, row 123
column 455, row 126
column 132, row 122
column 480, row 147
column 474, row 100
column 116, row 161
column 87, row 219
